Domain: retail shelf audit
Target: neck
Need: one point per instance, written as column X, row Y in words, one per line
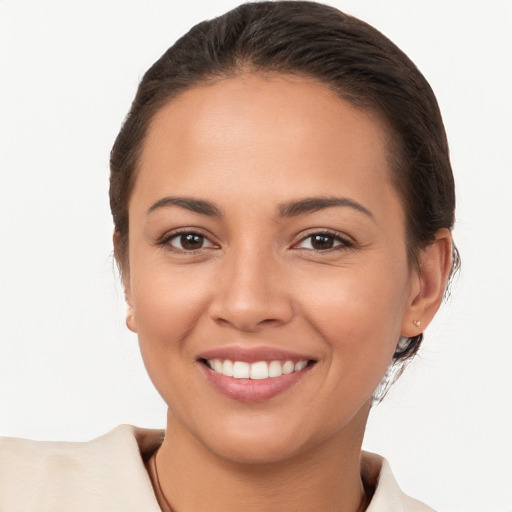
column 321, row 479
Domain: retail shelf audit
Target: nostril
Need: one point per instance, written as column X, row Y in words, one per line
column 269, row 320
column 249, row 320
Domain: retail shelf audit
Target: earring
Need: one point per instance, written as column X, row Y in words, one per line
column 417, row 323
column 403, row 345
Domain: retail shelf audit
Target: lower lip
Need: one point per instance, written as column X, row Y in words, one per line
column 253, row 390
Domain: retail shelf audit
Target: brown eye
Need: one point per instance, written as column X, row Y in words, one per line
column 189, row 242
column 319, row 242
column 324, row 242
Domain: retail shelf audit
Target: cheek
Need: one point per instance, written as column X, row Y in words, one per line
column 167, row 306
column 358, row 297
column 358, row 314
column 357, row 317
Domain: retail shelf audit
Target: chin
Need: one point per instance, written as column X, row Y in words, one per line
column 250, row 440
column 262, row 440
column 257, row 449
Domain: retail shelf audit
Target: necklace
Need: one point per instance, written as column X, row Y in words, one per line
column 166, row 507
column 155, row 480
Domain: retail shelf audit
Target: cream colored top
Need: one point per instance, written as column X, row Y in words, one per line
column 108, row 474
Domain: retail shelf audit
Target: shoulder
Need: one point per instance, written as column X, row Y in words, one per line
column 106, row 473
column 387, row 497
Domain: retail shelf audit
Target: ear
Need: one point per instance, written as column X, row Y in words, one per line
column 428, row 284
column 124, row 269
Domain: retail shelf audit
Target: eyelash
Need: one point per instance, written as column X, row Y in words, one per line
column 344, row 242
column 339, row 242
column 166, row 241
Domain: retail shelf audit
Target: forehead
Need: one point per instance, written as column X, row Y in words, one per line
column 254, row 131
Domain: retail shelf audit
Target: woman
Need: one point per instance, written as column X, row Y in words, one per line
column 283, row 204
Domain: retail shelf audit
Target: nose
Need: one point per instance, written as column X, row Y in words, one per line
column 252, row 293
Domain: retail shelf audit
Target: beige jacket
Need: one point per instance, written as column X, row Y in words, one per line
column 108, row 474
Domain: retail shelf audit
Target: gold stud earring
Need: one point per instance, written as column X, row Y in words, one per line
column 417, row 323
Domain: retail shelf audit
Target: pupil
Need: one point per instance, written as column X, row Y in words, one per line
column 191, row 241
column 322, row 242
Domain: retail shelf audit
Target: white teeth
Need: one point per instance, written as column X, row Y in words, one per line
column 227, row 368
column 300, row 365
column 288, row 367
column 241, row 370
column 275, row 369
column 257, row 371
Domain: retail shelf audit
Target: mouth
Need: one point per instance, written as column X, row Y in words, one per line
column 259, row 370
column 254, row 375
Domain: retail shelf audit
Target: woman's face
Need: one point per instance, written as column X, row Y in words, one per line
column 264, row 229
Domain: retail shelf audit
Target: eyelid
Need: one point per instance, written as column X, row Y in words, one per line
column 346, row 242
column 165, row 240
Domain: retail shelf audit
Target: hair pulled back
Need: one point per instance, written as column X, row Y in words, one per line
column 319, row 42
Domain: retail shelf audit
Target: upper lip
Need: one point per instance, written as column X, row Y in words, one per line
column 253, row 354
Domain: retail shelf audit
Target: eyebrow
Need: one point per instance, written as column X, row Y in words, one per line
column 315, row 204
column 194, row 205
column 289, row 209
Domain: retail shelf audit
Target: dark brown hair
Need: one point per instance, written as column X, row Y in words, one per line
column 319, row 42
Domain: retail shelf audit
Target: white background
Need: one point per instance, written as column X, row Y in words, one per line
column 70, row 370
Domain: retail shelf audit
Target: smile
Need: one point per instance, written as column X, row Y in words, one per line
column 259, row 370
column 254, row 374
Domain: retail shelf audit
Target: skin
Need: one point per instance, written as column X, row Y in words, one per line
column 248, row 145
